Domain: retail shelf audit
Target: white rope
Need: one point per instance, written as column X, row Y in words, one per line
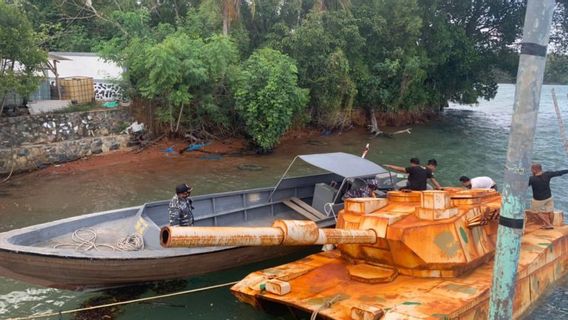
column 324, row 305
column 53, row 314
column 85, row 239
column 328, row 209
column 133, row 242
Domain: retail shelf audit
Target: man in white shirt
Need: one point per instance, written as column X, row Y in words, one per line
column 478, row 183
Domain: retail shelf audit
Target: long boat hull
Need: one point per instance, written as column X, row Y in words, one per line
column 56, row 254
column 44, row 254
column 92, row 274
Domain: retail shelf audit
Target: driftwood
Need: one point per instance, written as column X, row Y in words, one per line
column 142, row 147
column 407, row 130
column 11, row 171
column 211, row 136
column 374, row 128
column 179, row 117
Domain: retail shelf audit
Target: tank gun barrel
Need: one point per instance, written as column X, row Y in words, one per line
column 282, row 232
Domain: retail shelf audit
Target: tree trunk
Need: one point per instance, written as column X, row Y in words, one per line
column 171, row 118
column 2, row 105
column 374, row 125
column 179, row 117
column 225, row 19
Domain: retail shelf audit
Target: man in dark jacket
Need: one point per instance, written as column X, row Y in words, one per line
column 542, row 200
column 180, row 208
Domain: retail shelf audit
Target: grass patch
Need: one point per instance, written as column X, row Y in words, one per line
column 81, row 107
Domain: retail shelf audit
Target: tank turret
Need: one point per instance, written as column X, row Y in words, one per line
column 413, row 255
column 424, row 234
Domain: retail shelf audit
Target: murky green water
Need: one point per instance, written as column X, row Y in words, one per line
column 465, row 141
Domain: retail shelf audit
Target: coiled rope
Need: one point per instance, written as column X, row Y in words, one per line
column 85, row 239
column 53, row 314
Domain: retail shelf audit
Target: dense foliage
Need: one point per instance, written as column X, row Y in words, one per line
column 21, row 58
column 268, row 96
column 556, row 69
column 190, row 57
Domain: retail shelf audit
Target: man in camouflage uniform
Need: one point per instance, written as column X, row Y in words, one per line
column 180, row 208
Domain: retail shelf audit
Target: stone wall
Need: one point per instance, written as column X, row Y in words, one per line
column 38, row 156
column 33, row 142
column 57, row 127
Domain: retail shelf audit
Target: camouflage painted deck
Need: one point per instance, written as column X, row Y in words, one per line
column 432, row 260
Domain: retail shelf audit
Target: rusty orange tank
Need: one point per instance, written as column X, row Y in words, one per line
column 415, row 255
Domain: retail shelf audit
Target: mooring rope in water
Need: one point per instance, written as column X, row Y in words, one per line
column 85, row 239
column 53, row 314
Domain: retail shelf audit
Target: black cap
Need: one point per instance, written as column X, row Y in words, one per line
column 464, row 179
column 183, row 188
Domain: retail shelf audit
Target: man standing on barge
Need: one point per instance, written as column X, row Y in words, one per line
column 542, row 202
column 180, row 208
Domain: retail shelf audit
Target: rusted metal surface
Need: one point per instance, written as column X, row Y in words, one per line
column 297, row 232
column 282, row 232
column 417, row 268
column 340, row 236
column 409, row 297
column 220, row 236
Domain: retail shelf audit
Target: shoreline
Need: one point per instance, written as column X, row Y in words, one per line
column 236, row 146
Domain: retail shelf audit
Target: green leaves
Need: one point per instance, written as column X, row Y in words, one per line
column 323, row 46
column 268, row 97
column 21, row 58
column 385, row 55
column 181, row 69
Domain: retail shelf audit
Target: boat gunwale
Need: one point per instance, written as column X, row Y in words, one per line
column 8, row 246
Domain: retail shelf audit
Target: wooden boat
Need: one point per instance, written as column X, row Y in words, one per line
column 45, row 254
column 416, row 255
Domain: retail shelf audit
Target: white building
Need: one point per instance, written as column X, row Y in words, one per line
column 86, row 64
column 105, row 74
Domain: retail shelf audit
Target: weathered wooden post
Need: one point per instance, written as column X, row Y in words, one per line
column 536, row 34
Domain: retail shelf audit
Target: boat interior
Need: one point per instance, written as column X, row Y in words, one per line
column 295, row 198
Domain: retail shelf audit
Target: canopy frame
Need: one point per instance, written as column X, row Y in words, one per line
column 319, row 160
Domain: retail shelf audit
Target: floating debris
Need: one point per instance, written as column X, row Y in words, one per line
column 250, row 167
column 317, row 142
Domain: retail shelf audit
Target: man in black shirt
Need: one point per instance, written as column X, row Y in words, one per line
column 542, row 201
column 417, row 176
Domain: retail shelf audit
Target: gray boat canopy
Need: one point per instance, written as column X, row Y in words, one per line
column 344, row 164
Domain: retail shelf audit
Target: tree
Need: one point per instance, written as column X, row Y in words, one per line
column 185, row 72
column 556, row 69
column 268, row 97
column 21, row 58
column 230, row 11
column 390, row 72
column 323, row 46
